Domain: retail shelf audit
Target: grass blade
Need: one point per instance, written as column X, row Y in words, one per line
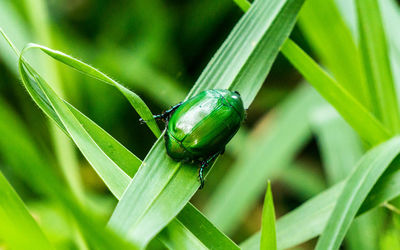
column 38, row 17
column 377, row 65
column 238, row 62
column 11, row 21
column 243, row 4
column 268, row 230
column 314, row 214
column 356, row 189
column 82, row 139
column 124, row 159
column 160, row 179
column 365, row 123
column 171, row 236
column 311, row 215
column 204, row 230
column 37, row 88
column 136, row 102
column 27, row 235
column 341, row 149
column 190, row 229
column 328, row 34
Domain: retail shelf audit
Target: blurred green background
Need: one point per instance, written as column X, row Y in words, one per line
column 157, row 49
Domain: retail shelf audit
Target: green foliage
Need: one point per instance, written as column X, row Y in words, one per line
column 268, row 234
column 281, row 140
column 363, row 121
column 374, row 50
column 13, row 212
column 160, row 178
column 335, row 46
column 58, row 203
column 356, row 189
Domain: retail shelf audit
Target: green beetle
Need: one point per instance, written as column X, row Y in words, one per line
column 198, row 129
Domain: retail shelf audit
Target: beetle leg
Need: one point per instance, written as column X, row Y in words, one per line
column 204, row 164
column 164, row 116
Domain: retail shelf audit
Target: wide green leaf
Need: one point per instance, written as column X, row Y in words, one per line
column 356, row 189
column 146, row 206
column 364, row 122
column 268, row 229
column 18, row 229
column 373, row 43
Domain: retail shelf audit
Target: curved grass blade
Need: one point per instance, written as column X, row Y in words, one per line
column 18, row 229
column 365, row 123
column 146, row 206
column 314, row 214
column 376, row 63
column 72, row 126
column 268, row 230
column 136, row 102
column 356, row 189
column 36, row 86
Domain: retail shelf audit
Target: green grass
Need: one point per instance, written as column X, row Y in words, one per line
column 268, row 230
column 123, row 190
